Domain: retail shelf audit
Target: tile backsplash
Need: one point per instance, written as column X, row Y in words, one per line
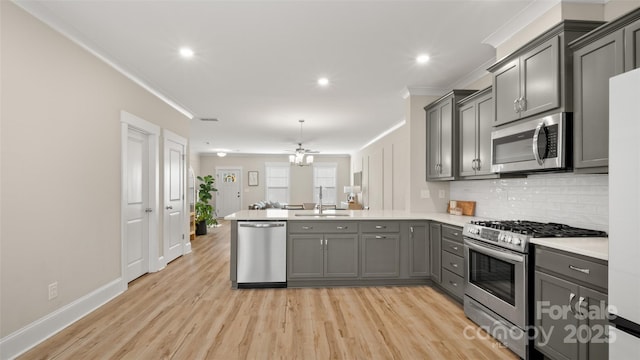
column 576, row 200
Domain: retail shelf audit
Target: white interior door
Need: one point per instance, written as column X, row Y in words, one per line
column 137, row 205
column 175, row 219
column 228, row 196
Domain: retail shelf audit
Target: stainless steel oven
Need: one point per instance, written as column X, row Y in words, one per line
column 497, row 278
column 532, row 145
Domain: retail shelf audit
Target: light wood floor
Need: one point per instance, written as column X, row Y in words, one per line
column 188, row 311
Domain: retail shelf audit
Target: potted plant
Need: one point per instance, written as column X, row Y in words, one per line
column 205, row 215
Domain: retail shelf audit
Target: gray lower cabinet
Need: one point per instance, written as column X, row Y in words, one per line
column 419, row 249
column 380, row 255
column 380, row 249
column 452, row 260
column 569, row 308
column 322, row 249
column 476, row 123
column 605, row 52
column 435, row 237
column 447, row 258
column 442, row 136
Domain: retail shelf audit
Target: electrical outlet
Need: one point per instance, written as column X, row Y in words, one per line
column 441, row 194
column 424, row 194
column 53, row 290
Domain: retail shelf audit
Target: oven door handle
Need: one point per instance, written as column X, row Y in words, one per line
column 502, row 255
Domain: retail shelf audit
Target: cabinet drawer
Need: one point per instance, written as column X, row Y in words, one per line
column 453, row 283
column 452, row 247
column 578, row 268
column 453, row 263
column 452, row 233
column 302, row 227
column 379, row 227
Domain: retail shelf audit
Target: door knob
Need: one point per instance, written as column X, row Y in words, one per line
column 148, row 210
column 169, row 207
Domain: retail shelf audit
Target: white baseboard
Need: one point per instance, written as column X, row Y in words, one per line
column 31, row 335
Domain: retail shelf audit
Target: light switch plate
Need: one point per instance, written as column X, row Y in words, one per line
column 424, row 194
column 441, row 194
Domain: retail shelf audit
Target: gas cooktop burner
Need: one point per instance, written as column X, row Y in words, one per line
column 540, row 230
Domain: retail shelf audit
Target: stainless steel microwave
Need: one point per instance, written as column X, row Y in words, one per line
column 532, row 145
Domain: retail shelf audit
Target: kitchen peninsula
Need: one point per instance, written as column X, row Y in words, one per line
column 357, row 247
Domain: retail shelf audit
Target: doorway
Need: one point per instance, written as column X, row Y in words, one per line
column 176, row 242
column 229, row 194
column 139, row 162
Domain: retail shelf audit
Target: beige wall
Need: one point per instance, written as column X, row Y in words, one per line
column 60, row 166
column 301, row 182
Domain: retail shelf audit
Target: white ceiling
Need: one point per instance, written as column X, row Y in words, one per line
column 256, row 62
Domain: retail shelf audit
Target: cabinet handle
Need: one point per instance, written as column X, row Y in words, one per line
column 522, row 104
column 477, row 164
column 380, row 227
column 380, row 237
column 326, row 242
column 455, row 248
column 579, row 305
column 454, row 265
column 455, row 284
column 584, row 271
column 411, row 229
column 307, row 227
column 571, row 297
column 342, row 227
column 515, row 105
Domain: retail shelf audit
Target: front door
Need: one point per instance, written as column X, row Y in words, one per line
column 175, row 219
column 136, row 234
column 228, row 197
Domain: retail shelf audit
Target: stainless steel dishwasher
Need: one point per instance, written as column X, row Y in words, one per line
column 262, row 254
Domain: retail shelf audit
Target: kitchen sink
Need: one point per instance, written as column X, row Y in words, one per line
column 322, row 215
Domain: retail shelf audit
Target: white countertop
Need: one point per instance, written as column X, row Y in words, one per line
column 278, row 214
column 595, row 247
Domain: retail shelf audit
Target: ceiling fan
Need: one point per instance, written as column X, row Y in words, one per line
column 299, row 157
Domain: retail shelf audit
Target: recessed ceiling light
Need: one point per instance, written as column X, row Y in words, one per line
column 222, row 154
column 422, row 59
column 186, row 52
column 323, row 81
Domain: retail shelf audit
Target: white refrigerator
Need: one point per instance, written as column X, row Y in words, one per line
column 624, row 215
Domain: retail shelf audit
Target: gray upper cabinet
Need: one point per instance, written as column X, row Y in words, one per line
column 605, row 52
column 476, row 120
column 537, row 77
column 442, row 139
column 632, row 44
column 593, row 65
column 529, row 84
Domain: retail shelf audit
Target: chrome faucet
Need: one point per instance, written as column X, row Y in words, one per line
column 320, row 196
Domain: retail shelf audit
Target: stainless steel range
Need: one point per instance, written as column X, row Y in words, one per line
column 498, row 276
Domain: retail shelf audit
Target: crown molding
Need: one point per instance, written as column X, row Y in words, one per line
column 424, row 91
column 525, row 17
column 41, row 13
column 474, row 75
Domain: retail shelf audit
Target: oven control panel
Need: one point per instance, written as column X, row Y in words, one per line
column 505, row 239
